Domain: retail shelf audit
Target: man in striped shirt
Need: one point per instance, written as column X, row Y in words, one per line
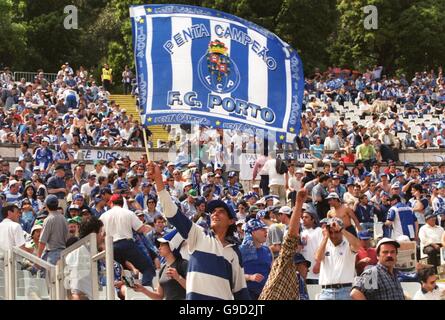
column 402, row 219
column 215, row 271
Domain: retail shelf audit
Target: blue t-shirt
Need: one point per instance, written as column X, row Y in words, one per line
column 318, row 150
column 262, row 265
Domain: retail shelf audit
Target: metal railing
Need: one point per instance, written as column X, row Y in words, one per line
column 14, row 256
column 19, row 284
column 89, row 242
column 30, row 76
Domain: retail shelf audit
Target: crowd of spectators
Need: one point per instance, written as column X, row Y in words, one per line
column 342, row 107
column 203, row 233
column 73, row 108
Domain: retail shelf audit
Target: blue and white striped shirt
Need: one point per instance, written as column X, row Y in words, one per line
column 403, row 219
column 215, row 272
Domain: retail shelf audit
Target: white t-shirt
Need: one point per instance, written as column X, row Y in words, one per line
column 11, row 235
column 429, row 235
column 433, row 295
column 86, row 189
column 120, row 223
column 312, row 238
column 338, row 265
column 274, row 177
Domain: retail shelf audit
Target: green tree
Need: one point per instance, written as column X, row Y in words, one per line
column 12, row 35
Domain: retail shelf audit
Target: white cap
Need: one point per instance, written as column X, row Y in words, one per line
column 286, row 210
column 13, row 182
column 192, row 165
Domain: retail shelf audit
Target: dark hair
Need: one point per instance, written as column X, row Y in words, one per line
column 92, row 225
column 34, row 196
column 424, row 273
column 158, row 217
column 417, row 187
column 101, row 179
column 8, row 207
column 121, row 171
column 324, row 178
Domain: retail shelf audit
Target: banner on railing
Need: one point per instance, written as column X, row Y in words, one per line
column 200, row 65
column 90, row 154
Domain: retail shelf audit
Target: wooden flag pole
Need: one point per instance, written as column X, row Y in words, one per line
column 146, row 142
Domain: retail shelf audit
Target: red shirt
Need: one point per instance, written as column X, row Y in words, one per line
column 363, row 253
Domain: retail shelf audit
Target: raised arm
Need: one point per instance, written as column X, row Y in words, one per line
column 294, row 224
column 185, row 227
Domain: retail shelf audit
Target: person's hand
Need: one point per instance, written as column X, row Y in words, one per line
column 118, row 284
column 336, row 227
column 138, row 287
column 172, row 273
column 435, row 246
column 257, row 277
column 325, row 231
column 153, row 169
column 366, row 260
column 316, row 268
column 301, row 195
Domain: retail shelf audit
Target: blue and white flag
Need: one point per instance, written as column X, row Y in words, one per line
column 197, row 65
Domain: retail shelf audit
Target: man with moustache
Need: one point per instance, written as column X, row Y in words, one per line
column 380, row 282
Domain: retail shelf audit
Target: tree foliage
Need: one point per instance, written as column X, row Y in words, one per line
column 410, row 34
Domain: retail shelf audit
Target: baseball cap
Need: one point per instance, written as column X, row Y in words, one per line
column 364, row 235
column 309, row 209
column 286, row 210
column 13, row 182
column 74, row 207
column 395, row 185
column 333, row 195
column 77, row 196
column 261, row 214
column 170, row 164
column 193, row 193
column 232, row 174
column 299, row 258
column 115, row 197
column 253, row 225
column 253, row 209
column 429, row 215
column 51, row 200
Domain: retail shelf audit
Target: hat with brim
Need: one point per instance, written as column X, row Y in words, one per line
column 36, row 227
column 333, row 195
column 430, row 215
column 299, row 258
column 212, row 205
column 308, row 168
column 387, row 240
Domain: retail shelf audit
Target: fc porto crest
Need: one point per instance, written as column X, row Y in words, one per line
column 217, row 71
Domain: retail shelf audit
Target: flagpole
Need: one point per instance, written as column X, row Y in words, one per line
column 146, row 141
